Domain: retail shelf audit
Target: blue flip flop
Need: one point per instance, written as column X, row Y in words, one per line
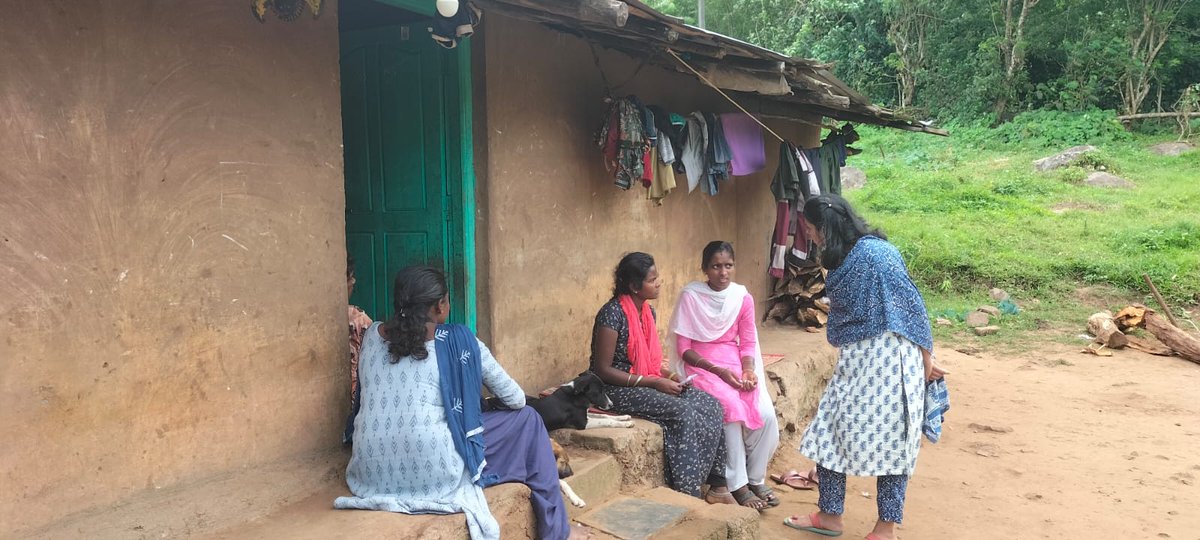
column 815, row 528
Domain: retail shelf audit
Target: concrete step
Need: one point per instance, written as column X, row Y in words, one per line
column 663, row 514
column 315, row 518
column 638, row 450
column 597, row 479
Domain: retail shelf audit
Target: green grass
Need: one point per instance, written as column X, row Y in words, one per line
column 969, row 213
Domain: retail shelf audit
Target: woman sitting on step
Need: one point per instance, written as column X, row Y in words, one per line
column 421, row 443
column 627, row 356
column 717, row 344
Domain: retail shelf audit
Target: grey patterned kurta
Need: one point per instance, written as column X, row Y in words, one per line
column 404, row 459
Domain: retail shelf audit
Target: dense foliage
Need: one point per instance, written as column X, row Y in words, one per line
column 966, row 59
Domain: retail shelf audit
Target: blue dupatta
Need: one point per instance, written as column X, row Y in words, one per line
column 872, row 293
column 461, row 379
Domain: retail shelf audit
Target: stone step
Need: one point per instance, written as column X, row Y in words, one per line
column 596, row 479
column 638, row 450
column 663, row 514
column 315, row 518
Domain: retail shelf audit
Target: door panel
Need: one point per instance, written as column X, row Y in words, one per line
column 395, row 130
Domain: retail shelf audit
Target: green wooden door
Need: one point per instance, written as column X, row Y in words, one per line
column 395, row 129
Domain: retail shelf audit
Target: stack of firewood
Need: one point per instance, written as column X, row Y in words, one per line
column 799, row 297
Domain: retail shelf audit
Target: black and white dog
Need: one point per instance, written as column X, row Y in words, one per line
column 567, row 407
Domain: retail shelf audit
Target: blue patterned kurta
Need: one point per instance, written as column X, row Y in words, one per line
column 404, row 459
column 869, row 420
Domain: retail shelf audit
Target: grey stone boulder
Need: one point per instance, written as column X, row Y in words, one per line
column 1062, row 159
column 853, row 178
column 1171, row 149
column 1102, row 179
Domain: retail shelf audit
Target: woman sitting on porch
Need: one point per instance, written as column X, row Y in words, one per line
column 627, row 356
column 421, row 443
column 717, row 345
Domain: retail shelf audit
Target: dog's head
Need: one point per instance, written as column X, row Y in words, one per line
column 561, row 459
column 589, row 385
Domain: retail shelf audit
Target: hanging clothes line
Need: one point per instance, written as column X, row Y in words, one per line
column 738, row 105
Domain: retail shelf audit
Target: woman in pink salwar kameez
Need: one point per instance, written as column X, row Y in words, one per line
column 717, row 344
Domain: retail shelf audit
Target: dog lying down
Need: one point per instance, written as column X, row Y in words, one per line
column 567, row 407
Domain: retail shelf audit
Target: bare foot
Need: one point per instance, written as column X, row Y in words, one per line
column 884, row 530
column 580, row 532
column 719, row 495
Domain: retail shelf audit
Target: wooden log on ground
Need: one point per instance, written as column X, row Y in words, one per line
column 1186, row 346
column 1102, row 326
column 1149, row 346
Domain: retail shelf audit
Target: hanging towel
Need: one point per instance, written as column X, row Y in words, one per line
column 745, row 138
column 937, row 403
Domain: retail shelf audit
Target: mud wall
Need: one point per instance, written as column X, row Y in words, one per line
column 555, row 225
column 171, row 247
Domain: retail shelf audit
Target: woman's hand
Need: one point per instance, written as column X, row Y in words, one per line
column 749, row 379
column 933, row 371
column 731, row 379
column 667, row 386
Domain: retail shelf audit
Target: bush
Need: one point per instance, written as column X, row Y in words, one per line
column 1055, row 129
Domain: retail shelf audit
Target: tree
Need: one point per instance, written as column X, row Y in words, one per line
column 1149, row 28
column 1012, row 49
column 908, row 22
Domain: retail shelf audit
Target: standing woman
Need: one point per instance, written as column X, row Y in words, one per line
column 869, row 420
column 717, row 341
column 627, row 356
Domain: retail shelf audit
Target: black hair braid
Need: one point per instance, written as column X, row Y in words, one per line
column 416, row 291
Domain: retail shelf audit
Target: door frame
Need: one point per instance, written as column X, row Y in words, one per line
column 460, row 195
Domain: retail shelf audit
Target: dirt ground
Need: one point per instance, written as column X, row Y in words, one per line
column 1098, row 447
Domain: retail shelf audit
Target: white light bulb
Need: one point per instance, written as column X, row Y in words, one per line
column 447, row 8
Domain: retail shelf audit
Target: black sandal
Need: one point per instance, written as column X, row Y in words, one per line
column 766, row 494
column 747, row 498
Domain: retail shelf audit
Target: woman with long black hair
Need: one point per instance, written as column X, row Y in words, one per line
column 869, row 419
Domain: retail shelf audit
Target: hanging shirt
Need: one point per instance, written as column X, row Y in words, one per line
column 745, row 138
column 694, row 149
column 663, row 182
column 833, row 158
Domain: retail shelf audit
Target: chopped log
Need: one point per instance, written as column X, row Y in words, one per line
column 1186, row 346
column 796, row 286
column 1149, row 346
column 816, row 287
column 1130, row 317
column 1102, row 326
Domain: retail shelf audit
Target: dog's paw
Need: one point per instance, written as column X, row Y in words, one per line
column 576, row 501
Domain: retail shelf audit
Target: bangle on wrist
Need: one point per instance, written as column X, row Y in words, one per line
column 638, row 381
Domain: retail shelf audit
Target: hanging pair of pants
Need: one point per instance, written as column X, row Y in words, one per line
column 890, row 496
column 748, row 452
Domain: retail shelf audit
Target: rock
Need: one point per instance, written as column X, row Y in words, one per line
column 975, row 319
column 998, row 295
column 944, row 322
column 1063, row 159
column 853, row 178
column 986, row 330
column 990, row 310
column 1171, row 149
column 1106, row 180
column 990, row 428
